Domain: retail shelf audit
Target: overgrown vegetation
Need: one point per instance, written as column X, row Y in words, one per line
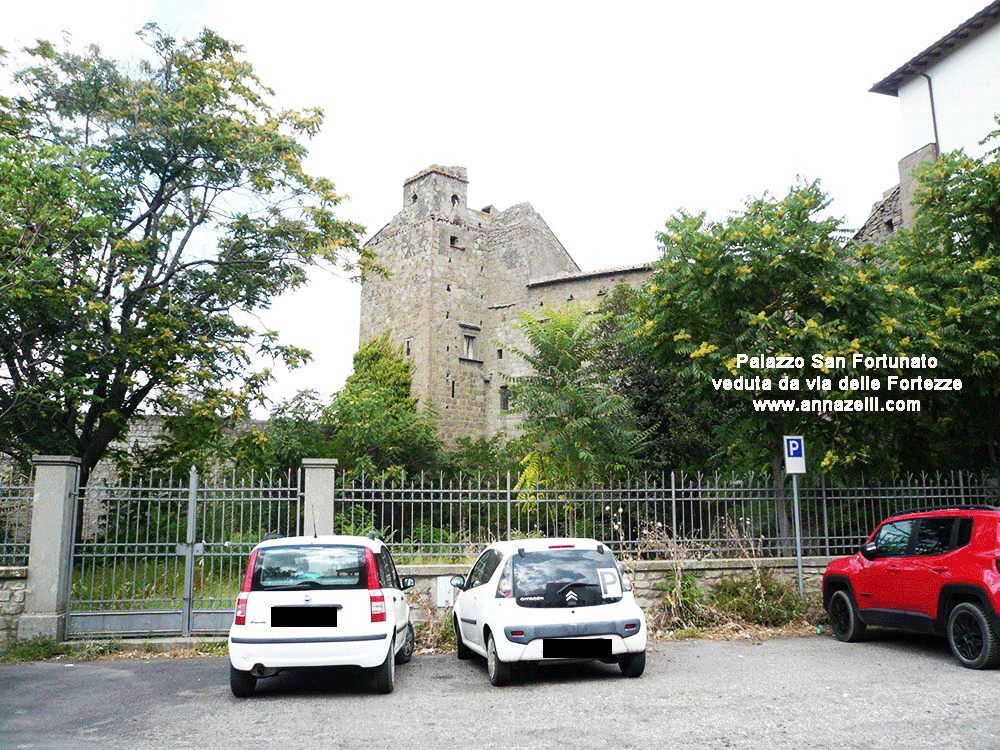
column 41, row 649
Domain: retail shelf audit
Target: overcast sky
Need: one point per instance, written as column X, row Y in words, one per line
column 606, row 121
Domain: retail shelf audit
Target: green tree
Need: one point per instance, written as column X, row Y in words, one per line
column 488, row 458
column 578, row 427
column 375, row 423
column 952, row 259
column 679, row 430
column 778, row 279
column 146, row 212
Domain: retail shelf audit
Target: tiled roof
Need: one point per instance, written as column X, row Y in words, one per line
column 982, row 21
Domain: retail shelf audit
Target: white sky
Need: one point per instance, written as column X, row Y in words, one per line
column 607, row 122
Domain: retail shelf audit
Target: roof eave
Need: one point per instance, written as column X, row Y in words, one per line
column 971, row 29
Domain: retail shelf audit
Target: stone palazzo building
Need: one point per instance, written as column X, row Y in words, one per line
column 459, row 280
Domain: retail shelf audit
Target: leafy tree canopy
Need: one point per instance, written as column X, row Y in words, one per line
column 374, row 420
column 578, row 427
column 679, row 430
column 777, row 279
column 952, row 257
column 146, row 212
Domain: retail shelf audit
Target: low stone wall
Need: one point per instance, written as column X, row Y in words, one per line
column 13, row 582
column 432, row 593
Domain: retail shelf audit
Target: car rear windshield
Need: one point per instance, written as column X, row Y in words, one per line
column 310, row 566
column 566, row 578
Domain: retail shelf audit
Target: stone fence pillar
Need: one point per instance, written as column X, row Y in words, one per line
column 49, row 556
column 318, row 489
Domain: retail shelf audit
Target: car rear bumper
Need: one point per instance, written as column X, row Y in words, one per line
column 246, row 651
column 526, row 642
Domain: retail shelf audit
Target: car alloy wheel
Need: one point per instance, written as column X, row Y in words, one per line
column 499, row 671
column 844, row 619
column 971, row 637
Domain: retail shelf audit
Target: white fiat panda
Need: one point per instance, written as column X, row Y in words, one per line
column 319, row 601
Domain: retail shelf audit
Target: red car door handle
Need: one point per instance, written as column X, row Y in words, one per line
column 940, row 570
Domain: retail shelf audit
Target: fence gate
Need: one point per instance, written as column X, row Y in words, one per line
column 156, row 557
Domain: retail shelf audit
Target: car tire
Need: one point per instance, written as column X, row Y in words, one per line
column 461, row 650
column 385, row 673
column 972, row 638
column 500, row 672
column 844, row 618
column 241, row 683
column 632, row 665
column 406, row 652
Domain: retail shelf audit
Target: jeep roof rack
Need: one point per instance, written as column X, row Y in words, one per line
column 946, row 506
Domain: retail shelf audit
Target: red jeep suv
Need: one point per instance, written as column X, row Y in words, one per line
column 932, row 571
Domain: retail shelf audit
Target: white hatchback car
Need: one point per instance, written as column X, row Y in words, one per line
column 319, row 601
column 535, row 600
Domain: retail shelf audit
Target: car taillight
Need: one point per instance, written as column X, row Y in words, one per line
column 505, row 588
column 241, row 609
column 374, row 588
column 241, row 600
column 560, row 546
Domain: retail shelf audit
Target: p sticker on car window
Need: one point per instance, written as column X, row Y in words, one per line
column 611, row 585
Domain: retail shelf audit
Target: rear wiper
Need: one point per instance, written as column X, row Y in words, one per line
column 293, row 586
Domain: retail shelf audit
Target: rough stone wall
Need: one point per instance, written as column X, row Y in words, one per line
column 459, row 280
column 13, row 583
column 649, row 573
column 884, row 220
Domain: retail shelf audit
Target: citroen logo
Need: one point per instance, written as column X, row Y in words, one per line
column 307, row 598
column 571, row 597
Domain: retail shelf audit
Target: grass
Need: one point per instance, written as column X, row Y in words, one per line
column 45, row 649
column 35, row 649
column 157, row 583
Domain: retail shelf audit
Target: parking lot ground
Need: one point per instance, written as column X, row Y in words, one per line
column 892, row 691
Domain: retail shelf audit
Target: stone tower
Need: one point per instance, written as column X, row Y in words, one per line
column 459, row 279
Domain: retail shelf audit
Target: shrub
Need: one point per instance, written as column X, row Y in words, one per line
column 34, row 649
column 759, row 597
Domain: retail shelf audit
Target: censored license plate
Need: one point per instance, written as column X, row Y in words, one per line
column 304, row 617
column 576, row 648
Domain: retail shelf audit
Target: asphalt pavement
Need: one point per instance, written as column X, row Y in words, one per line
column 894, row 691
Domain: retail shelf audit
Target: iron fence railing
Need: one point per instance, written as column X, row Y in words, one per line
column 168, row 555
column 433, row 520
column 15, row 517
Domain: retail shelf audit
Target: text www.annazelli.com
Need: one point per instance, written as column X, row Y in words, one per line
column 822, row 405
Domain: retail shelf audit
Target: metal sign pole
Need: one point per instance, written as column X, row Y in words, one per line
column 798, row 534
column 795, row 464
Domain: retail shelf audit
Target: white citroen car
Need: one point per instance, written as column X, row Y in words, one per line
column 319, row 601
column 537, row 600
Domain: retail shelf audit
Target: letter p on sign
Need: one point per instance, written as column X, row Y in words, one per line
column 795, row 454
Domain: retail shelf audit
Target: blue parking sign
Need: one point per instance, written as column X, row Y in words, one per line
column 795, row 454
